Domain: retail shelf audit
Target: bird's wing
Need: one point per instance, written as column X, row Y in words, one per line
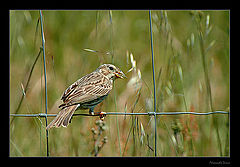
column 88, row 88
column 76, row 85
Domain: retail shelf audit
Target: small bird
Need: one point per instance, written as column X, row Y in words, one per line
column 86, row 93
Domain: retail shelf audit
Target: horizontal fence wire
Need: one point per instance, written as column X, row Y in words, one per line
column 125, row 113
column 44, row 115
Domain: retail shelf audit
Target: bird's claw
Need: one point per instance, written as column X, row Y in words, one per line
column 91, row 112
column 102, row 115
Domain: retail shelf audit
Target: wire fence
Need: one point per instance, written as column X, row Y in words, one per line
column 125, row 113
column 154, row 113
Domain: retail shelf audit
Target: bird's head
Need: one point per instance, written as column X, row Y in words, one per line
column 111, row 71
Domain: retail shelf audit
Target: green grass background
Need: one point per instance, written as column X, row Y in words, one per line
column 180, row 82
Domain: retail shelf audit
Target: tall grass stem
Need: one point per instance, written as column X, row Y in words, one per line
column 26, row 86
column 112, row 53
column 207, row 81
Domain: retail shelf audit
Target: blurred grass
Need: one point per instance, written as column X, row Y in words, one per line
column 180, row 82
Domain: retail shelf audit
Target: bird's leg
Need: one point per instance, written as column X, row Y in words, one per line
column 91, row 111
column 70, row 120
column 101, row 114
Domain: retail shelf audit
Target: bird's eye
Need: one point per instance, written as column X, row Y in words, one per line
column 111, row 68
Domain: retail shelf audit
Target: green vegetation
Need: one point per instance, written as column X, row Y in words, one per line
column 191, row 56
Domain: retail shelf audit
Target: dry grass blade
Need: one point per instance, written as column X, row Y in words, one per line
column 26, row 86
column 202, row 38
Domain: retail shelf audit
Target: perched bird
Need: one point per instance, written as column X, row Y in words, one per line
column 86, row 93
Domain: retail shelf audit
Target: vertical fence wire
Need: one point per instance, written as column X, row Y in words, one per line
column 45, row 76
column 154, row 86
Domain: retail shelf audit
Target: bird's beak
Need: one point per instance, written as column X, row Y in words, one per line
column 120, row 74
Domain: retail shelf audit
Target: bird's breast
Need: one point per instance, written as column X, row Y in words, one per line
column 92, row 103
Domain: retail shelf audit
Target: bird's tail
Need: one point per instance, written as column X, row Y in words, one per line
column 63, row 117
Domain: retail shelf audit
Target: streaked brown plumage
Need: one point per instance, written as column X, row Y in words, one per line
column 86, row 93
